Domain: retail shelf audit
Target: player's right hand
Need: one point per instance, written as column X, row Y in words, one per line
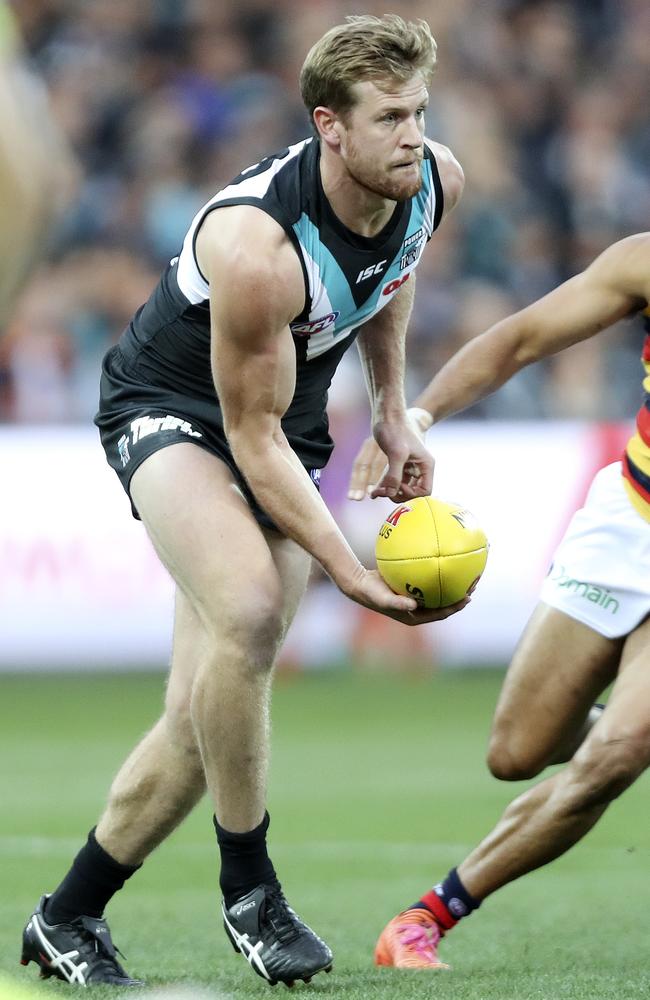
column 370, row 464
column 371, row 591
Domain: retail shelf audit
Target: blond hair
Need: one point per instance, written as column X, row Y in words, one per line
column 365, row 48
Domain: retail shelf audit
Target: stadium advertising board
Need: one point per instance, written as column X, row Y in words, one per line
column 81, row 587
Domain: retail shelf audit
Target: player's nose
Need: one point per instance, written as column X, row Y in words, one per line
column 411, row 136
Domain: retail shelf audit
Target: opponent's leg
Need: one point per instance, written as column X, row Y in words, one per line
column 559, row 668
column 550, row 818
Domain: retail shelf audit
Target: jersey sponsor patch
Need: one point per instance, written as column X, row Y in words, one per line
column 392, row 286
column 558, row 575
column 145, row 426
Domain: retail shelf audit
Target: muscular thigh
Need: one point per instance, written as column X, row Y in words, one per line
column 627, row 716
column 229, row 569
column 558, row 670
column 293, row 565
column 192, row 641
column 617, row 749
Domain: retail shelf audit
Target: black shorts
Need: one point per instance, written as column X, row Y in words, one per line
column 136, row 419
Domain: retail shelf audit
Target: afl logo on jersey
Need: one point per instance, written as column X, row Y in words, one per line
column 315, row 325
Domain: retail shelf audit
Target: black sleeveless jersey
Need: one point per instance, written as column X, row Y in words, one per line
column 348, row 279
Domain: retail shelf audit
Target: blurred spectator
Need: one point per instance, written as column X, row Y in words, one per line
column 543, row 102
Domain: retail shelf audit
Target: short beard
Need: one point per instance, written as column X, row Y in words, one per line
column 381, row 184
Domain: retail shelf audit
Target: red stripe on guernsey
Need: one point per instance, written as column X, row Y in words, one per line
column 434, row 903
column 643, row 424
column 628, row 472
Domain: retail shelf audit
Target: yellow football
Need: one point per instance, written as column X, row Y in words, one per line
column 431, row 550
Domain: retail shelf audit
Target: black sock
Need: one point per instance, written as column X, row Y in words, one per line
column 91, row 882
column 244, row 860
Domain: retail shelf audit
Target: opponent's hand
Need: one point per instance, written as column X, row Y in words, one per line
column 367, row 469
column 370, row 590
column 409, row 472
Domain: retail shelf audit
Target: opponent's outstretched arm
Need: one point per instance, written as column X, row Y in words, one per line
column 613, row 286
column 616, row 284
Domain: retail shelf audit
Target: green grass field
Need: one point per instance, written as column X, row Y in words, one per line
column 378, row 788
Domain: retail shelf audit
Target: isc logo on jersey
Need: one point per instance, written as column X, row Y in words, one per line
column 370, row 272
column 315, row 325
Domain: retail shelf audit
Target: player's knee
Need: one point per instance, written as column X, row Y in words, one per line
column 246, row 618
column 258, row 635
column 254, row 644
column 603, row 768
column 510, row 758
column 247, row 638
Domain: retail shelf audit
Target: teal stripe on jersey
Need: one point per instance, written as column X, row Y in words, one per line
column 326, row 274
column 329, row 272
column 420, row 210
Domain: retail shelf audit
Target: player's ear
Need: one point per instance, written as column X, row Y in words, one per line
column 328, row 126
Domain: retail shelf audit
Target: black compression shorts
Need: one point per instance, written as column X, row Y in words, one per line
column 136, row 419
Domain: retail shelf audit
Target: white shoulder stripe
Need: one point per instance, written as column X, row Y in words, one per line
column 257, row 185
column 432, row 200
column 190, row 280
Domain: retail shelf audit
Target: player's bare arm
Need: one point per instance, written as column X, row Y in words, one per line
column 612, row 287
column 253, row 360
column 616, row 284
column 381, row 345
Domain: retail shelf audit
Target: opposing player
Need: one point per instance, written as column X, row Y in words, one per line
column 591, row 626
column 213, row 416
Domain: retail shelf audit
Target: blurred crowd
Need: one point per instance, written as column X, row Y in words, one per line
column 164, row 101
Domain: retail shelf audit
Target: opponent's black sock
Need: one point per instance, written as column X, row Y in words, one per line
column 92, row 881
column 244, row 860
column 449, row 901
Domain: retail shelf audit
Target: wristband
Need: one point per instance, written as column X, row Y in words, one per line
column 421, row 417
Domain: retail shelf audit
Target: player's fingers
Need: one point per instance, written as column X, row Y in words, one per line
column 424, row 483
column 418, row 474
column 417, row 481
column 424, row 615
column 408, row 491
column 369, row 457
column 377, row 471
column 388, row 486
column 392, row 480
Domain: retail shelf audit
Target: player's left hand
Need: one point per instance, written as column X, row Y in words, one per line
column 394, row 463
